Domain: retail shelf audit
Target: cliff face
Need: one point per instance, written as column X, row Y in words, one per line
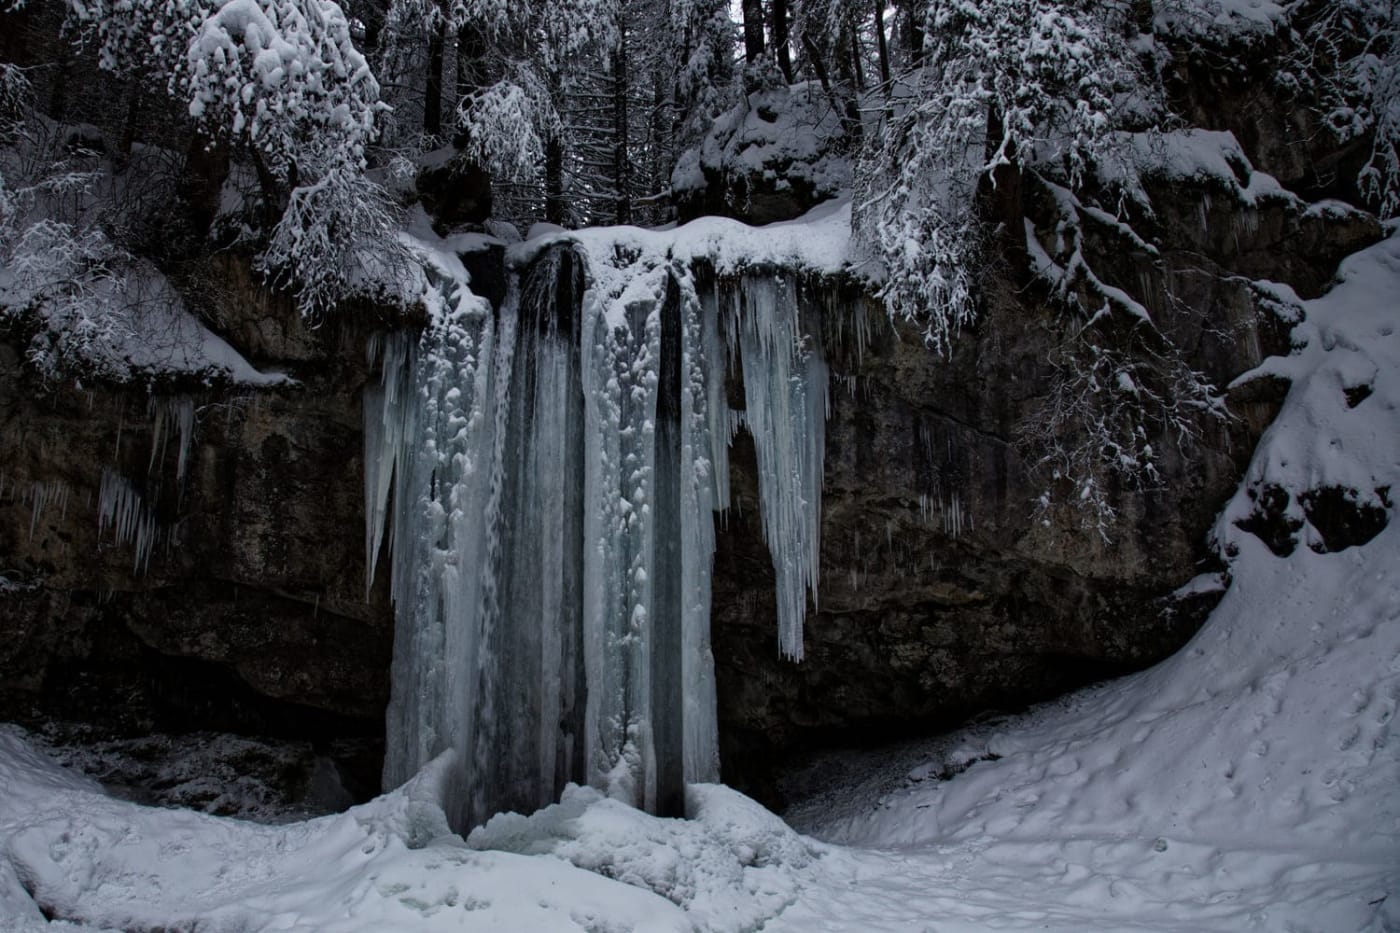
column 943, row 591
column 250, row 612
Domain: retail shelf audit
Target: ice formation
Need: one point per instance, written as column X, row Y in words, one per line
column 785, row 392
column 120, row 508
column 43, row 495
column 546, row 477
column 177, row 411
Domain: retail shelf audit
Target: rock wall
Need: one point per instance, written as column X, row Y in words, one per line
column 944, row 590
column 250, row 614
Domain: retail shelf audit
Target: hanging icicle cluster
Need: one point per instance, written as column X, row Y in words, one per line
column 786, row 406
column 546, row 477
column 121, row 509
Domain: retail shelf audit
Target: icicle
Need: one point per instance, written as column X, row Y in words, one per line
column 954, row 519
column 165, row 412
column 720, row 423
column 387, row 409
column 120, row 507
column 38, row 495
column 42, row 496
column 786, row 393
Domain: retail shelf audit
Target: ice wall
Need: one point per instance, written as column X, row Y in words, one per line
column 546, row 477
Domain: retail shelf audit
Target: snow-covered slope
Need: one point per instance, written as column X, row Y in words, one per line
column 1251, row 782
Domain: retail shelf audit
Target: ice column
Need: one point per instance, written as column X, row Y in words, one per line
column 431, row 449
column 649, row 528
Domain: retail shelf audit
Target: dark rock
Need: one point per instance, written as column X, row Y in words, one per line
column 1239, row 87
column 251, row 613
column 455, row 193
column 1270, row 521
column 1343, row 518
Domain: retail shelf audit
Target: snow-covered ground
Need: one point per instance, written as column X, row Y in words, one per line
column 1251, row 782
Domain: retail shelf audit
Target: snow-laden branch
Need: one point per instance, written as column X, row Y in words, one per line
column 1003, row 85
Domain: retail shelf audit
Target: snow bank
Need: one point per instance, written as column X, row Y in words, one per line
column 166, row 338
column 1194, row 155
column 628, row 264
column 1337, row 429
column 387, row 865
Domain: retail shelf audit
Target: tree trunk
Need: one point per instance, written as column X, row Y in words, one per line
column 432, row 94
column 914, row 33
column 753, row 32
column 848, row 63
column 201, row 184
column 818, row 63
column 554, row 182
column 882, row 45
column 128, row 136
column 58, row 97
column 856, row 63
column 782, row 38
column 622, row 164
column 1000, row 192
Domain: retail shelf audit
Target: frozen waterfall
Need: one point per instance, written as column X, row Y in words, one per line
column 545, row 476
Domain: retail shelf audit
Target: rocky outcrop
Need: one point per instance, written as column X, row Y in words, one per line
column 774, row 156
column 944, row 590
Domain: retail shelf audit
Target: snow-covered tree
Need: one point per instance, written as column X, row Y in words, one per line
column 63, row 282
column 1351, row 50
column 139, row 36
column 281, row 82
column 284, row 76
column 704, row 76
column 1001, row 85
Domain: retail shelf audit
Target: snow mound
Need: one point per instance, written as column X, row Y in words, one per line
column 732, row 866
column 1325, row 469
